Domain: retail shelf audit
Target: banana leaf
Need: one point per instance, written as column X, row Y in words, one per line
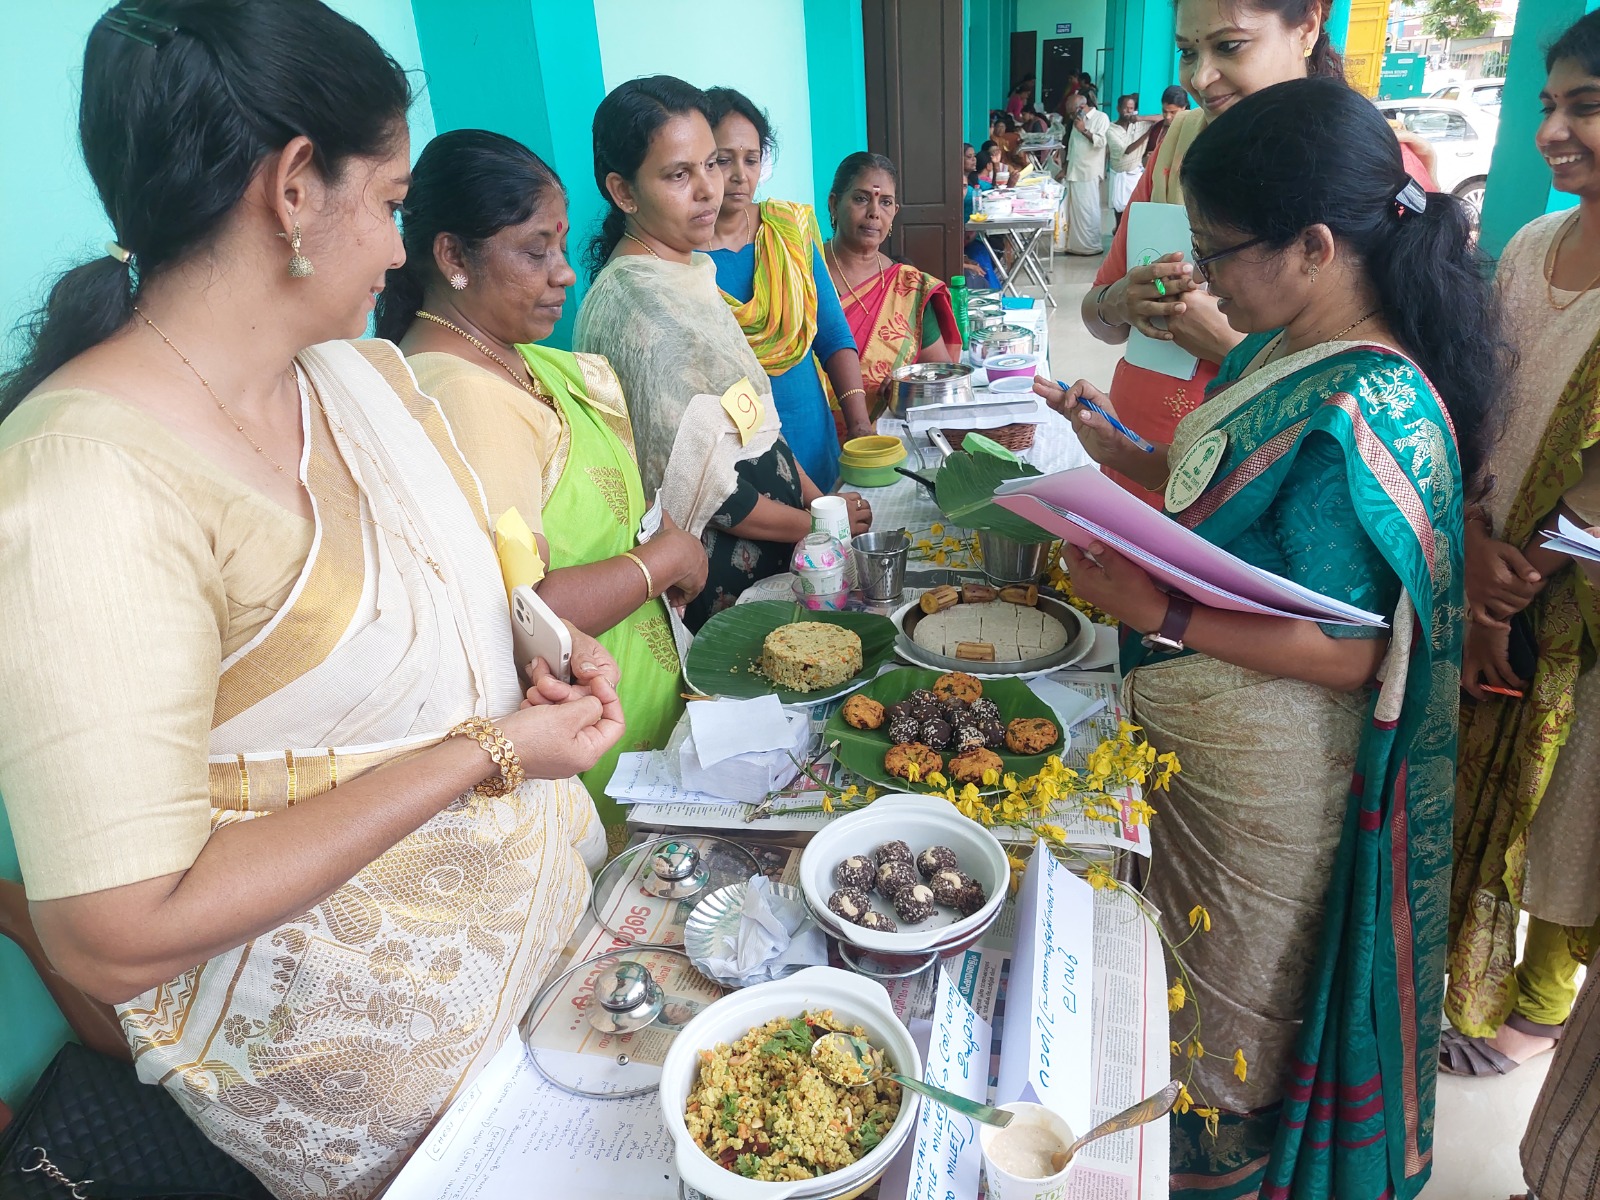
column 964, row 492
column 862, row 750
column 726, row 651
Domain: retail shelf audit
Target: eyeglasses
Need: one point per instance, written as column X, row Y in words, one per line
column 1202, row 265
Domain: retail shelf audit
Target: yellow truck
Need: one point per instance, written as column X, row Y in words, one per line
column 1364, row 44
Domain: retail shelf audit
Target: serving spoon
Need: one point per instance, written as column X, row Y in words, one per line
column 852, row 1061
column 1159, row 1104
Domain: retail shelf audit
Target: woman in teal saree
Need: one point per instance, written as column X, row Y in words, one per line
column 1312, row 818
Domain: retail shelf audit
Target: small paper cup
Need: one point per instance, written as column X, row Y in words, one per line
column 1005, row 1186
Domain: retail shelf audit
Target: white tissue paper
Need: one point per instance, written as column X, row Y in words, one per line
column 741, row 749
column 774, row 935
column 1069, row 704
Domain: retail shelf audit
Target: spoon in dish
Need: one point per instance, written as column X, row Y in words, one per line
column 852, row 1061
column 1157, row 1105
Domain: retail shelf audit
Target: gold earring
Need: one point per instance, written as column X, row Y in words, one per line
column 1309, row 51
column 1313, row 272
column 299, row 265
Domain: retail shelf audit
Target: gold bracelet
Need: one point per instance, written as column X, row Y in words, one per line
column 500, row 751
column 649, row 580
column 862, row 392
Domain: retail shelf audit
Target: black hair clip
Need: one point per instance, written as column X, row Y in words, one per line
column 141, row 27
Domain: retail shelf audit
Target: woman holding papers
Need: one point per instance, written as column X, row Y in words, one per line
column 1227, row 50
column 546, row 432
column 276, row 791
column 1312, row 817
column 1528, row 806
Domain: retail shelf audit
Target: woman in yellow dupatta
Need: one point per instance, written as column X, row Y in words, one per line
column 547, row 432
column 1527, row 810
column 272, row 790
column 898, row 314
column 771, row 272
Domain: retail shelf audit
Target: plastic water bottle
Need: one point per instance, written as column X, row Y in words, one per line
column 958, row 300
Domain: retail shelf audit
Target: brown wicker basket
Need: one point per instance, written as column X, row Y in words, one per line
column 1012, row 437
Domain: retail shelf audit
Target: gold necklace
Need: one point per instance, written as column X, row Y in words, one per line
column 749, row 234
column 529, row 385
column 1277, row 342
column 852, row 289
column 1550, row 269
column 243, row 432
column 356, row 514
column 648, row 248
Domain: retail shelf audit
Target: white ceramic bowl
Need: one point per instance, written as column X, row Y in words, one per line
column 854, row 1000
column 920, row 821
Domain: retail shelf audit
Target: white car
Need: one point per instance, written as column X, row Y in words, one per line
column 1463, row 142
column 1485, row 93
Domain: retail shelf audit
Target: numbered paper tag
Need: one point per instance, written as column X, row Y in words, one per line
column 744, row 406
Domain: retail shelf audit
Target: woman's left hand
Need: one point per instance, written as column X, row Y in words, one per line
column 1197, row 324
column 860, row 512
column 1117, row 586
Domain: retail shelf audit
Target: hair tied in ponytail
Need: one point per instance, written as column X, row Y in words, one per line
column 1410, row 198
column 128, row 259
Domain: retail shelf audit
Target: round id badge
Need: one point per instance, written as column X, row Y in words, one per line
column 1195, row 470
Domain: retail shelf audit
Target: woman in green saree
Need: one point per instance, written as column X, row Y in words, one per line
column 547, row 432
column 1312, row 817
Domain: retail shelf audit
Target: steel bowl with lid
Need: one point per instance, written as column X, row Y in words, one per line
column 1000, row 340
column 929, row 383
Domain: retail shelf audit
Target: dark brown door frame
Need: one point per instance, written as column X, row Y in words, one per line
column 914, row 107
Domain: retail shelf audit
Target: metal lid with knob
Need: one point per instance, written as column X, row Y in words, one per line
column 638, row 895
column 627, row 998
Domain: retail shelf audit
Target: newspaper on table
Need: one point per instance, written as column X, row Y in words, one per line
column 513, row 1133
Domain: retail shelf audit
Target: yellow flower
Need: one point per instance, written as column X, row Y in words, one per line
column 913, row 772
column 1185, row 1101
column 969, row 793
column 935, row 779
column 850, row 793
column 1177, row 1050
column 940, row 558
column 1212, row 1115
column 1100, row 878
column 936, row 529
column 827, row 802
column 872, row 794
column 1196, row 1050
column 1176, row 995
column 991, row 777
column 1053, row 833
column 1240, row 1067
column 1199, row 916
column 1009, row 781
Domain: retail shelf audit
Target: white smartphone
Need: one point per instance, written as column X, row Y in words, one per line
column 536, row 632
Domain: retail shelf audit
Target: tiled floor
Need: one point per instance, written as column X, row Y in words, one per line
column 1479, row 1122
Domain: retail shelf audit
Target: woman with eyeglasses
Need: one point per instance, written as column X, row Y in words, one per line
column 1227, row 50
column 897, row 314
column 1313, row 815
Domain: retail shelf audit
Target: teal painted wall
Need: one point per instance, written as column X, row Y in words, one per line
column 760, row 49
column 1088, row 19
column 988, row 57
column 836, row 77
column 1519, row 181
column 1143, row 58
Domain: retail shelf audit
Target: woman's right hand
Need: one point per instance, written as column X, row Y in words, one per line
column 686, row 575
column 1487, row 660
column 1136, row 300
column 558, row 739
column 1103, row 444
column 1500, row 581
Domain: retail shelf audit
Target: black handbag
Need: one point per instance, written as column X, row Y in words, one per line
column 90, row 1130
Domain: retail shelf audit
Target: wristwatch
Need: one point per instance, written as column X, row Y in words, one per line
column 1173, row 626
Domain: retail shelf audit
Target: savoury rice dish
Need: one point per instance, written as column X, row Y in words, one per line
column 761, row 1108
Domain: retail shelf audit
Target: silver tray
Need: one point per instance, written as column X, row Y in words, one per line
column 718, row 916
column 1080, row 640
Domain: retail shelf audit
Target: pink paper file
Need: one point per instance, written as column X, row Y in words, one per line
column 1083, row 506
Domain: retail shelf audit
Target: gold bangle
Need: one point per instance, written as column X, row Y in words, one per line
column 862, row 392
column 649, row 580
column 500, row 751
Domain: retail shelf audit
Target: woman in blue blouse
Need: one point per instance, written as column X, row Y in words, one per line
column 771, row 272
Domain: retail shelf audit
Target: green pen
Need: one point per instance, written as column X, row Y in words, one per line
column 1161, row 287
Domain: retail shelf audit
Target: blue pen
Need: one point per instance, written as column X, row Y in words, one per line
column 1133, row 437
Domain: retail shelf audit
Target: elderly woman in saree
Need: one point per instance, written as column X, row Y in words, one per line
column 547, row 432
column 708, row 433
column 277, row 792
column 770, row 270
column 1528, row 811
column 898, row 314
column 1312, row 817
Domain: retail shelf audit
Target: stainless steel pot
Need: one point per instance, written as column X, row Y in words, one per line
column 929, row 383
column 985, row 318
column 1006, row 560
column 1000, row 339
column 983, row 296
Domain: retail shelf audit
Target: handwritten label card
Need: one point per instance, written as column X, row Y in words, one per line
column 1044, row 1056
column 742, row 404
column 943, row 1158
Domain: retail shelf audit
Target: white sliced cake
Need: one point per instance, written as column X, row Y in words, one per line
column 1016, row 632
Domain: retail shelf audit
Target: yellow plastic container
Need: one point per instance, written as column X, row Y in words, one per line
column 874, row 451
